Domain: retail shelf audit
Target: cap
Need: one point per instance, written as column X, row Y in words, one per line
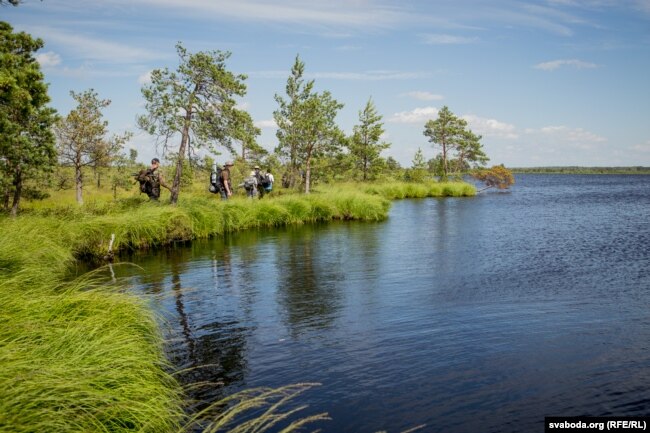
column 155, row 161
column 257, row 167
column 229, row 163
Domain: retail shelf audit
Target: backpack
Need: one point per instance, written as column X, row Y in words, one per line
column 216, row 181
column 265, row 181
column 250, row 183
column 145, row 177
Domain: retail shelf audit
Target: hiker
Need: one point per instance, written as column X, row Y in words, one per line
column 250, row 185
column 151, row 180
column 225, row 183
column 269, row 186
column 264, row 181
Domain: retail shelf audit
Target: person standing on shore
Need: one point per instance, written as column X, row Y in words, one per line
column 151, row 180
column 225, row 183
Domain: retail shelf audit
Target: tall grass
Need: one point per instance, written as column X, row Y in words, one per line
column 143, row 224
column 401, row 190
column 75, row 356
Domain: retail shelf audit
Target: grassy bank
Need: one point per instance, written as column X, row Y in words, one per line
column 87, row 357
column 75, row 357
column 138, row 223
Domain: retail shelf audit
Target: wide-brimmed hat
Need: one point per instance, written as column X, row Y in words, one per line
column 257, row 167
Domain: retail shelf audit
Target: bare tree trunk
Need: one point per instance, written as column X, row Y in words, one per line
column 78, row 178
column 444, row 160
column 365, row 168
column 307, row 174
column 181, row 156
column 18, row 184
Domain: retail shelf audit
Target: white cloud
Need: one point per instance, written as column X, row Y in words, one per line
column 573, row 134
column 366, row 13
column 145, row 78
column 89, row 48
column 561, row 137
column 490, row 127
column 643, row 147
column 442, row 39
column 266, row 124
column 417, row 115
column 48, row 59
column 555, row 64
column 424, row 96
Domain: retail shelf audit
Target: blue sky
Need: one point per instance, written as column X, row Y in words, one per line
column 545, row 82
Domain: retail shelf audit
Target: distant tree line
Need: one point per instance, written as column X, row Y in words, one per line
column 583, row 170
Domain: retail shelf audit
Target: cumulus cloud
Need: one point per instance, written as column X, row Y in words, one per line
column 417, row 115
column 48, row 59
column 423, row 96
column 556, row 64
column 442, row 39
column 490, row 127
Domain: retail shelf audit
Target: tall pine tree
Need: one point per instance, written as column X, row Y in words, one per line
column 365, row 146
column 27, row 145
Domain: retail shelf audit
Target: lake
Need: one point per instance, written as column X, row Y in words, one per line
column 465, row 314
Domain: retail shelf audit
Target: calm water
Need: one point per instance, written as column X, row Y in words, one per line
column 480, row 314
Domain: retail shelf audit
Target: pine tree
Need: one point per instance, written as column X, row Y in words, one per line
column 197, row 102
column 365, row 146
column 27, row 147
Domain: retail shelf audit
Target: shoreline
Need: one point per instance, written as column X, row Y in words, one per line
column 83, row 355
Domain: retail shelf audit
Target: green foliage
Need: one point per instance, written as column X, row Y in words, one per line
column 82, row 140
column 197, row 102
column 450, row 133
column 401, row 190
column 306, row 126
column 76, row 356
column 418, row 170
column 26, row 140
column 364, row 145
column 288, row 116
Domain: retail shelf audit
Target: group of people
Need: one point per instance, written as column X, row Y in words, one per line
column 256, row 185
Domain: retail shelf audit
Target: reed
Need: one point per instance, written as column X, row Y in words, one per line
column 401, row 190
column 80, row 357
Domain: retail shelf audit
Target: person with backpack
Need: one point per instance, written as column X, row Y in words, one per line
column 151, row 180
column 225, row 182
column 264, row 182
column 250, row 185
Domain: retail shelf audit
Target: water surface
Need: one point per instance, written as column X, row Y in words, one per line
column 470, row 314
